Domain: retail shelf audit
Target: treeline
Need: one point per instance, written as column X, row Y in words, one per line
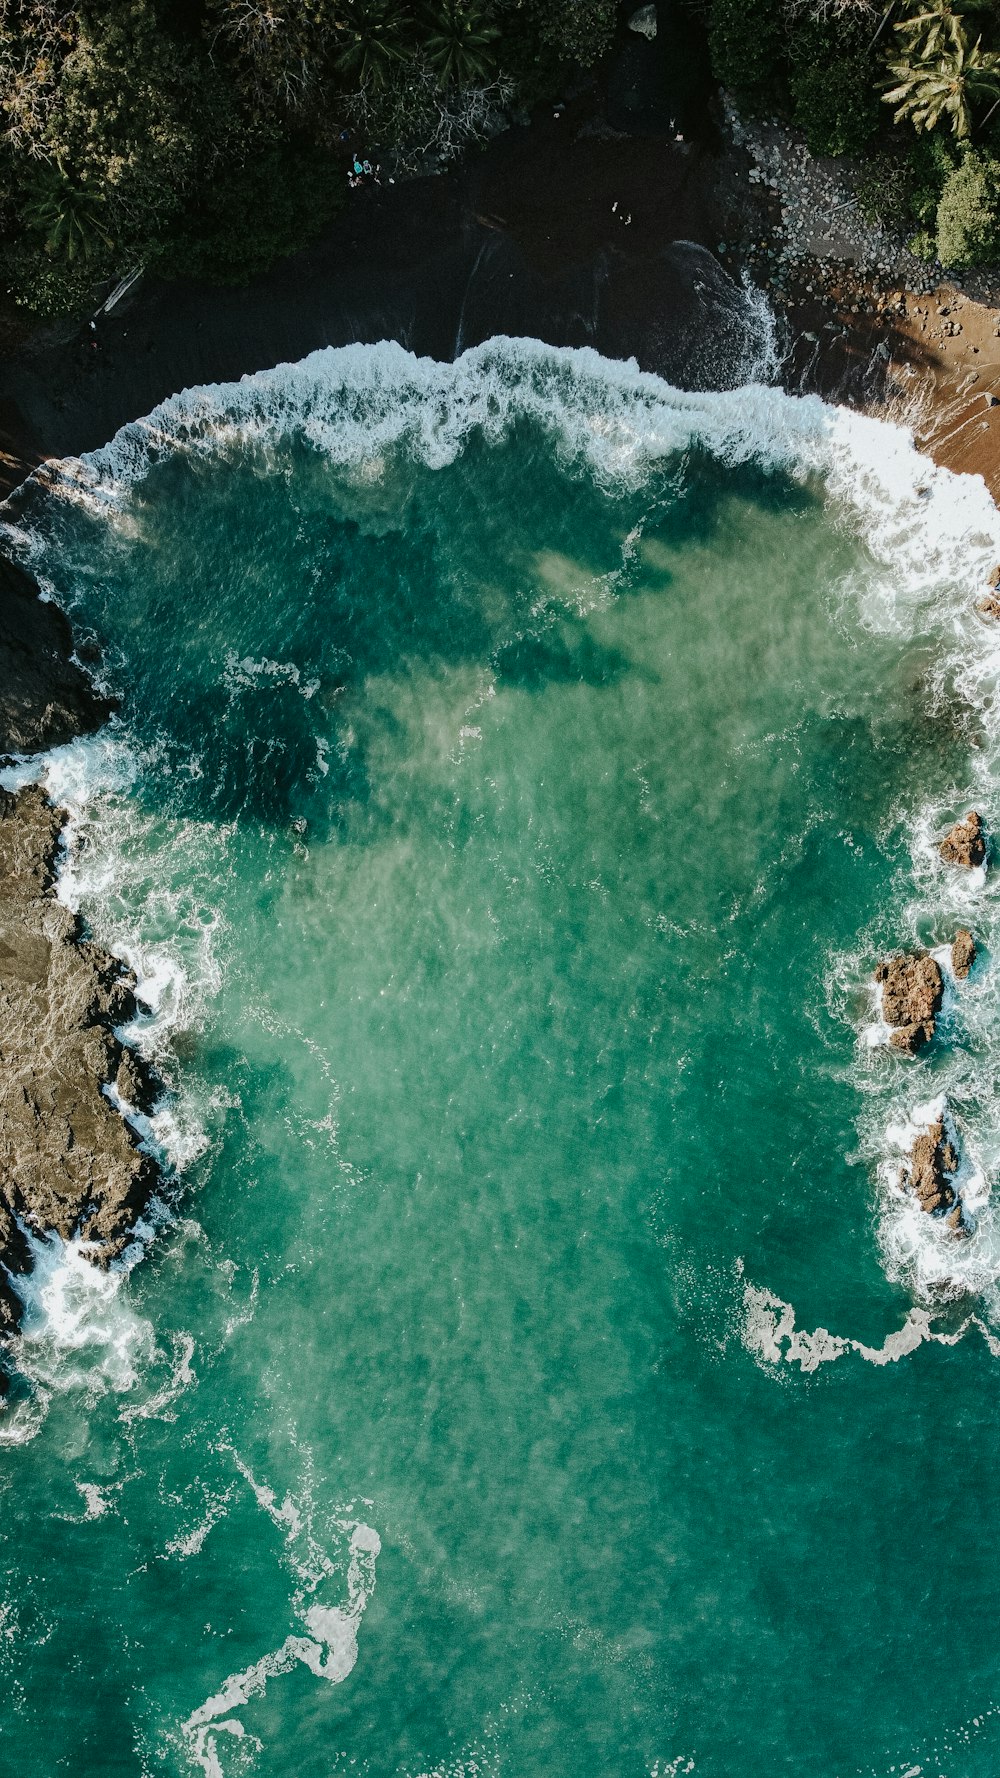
column 912, row 89
column 210, row 137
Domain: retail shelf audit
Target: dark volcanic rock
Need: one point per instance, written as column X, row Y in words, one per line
column 68, row 1160
column 965, row 843
column 912, row 989
column 45, row 698
column 932, row 1159
column 963, row 952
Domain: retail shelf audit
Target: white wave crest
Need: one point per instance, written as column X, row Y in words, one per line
column 356, row 404
column 932, row 537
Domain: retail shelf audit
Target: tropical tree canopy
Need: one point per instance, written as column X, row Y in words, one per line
column 458, row 40
column 373, row 38
column 930, row 26
column 944, row 87
column 66, row 216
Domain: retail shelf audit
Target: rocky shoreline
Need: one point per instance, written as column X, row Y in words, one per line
column 911, row 988
column 69, row 1161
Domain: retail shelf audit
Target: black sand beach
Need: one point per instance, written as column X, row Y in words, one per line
column 532, row 237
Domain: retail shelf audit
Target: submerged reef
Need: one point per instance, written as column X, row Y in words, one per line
column 69, row 1161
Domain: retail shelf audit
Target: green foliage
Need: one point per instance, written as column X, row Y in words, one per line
column 931, row 160
column 942, row 86
column 928, row 27
column 539, row 38
column 968, row 215
column 832, row 81
column 458, row 42
column 66, row 216
column 279, row 199
column 372, row 39
column 282, row 50
column 747, row 40
column 123, row 115
column 46, row 287
column 923, row 245
column 884, row 190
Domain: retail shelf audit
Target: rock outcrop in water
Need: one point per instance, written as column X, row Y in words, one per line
column 965, row 843
column 912, row 990
column 45, row 698
column 928, row 1172
column 963, row 952
column 68, row 1160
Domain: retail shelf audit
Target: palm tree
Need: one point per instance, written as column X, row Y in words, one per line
column 372, row 39
column 945, row 85
column 457, row 42
column 66, row 216
column 932, row 25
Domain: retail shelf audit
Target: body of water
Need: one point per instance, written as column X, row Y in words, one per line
column 536, row 1371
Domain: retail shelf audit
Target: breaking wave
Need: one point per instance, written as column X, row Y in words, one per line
column 931, row 537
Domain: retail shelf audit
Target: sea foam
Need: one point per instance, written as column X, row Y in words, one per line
column 932, row 537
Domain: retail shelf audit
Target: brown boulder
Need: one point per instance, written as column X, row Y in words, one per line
column 68, row 1160
column 990, row 606
column 965, row 843
column 912, row 989
column 963, row 952
column 932, row 1158
column 908, row 1039
column 957, row 1223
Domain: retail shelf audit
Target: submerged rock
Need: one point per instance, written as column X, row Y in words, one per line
column 932, row 1159
column 963, row 952
column 68, row 1161
column 965, row 843
column 912, row 990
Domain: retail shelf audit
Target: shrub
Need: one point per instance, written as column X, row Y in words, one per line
column 885, row 190
column 923, row 245
column 932, row 161
column 553, row 34
column 747, row 44
column 968, row 215
column 47, row 287
column 252, row 214
column 835, row 109
column 833, row 85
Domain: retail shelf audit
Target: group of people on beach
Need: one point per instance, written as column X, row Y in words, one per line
column 359, row 171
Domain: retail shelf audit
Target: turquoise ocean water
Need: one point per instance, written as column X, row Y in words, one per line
column 532, row 1369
